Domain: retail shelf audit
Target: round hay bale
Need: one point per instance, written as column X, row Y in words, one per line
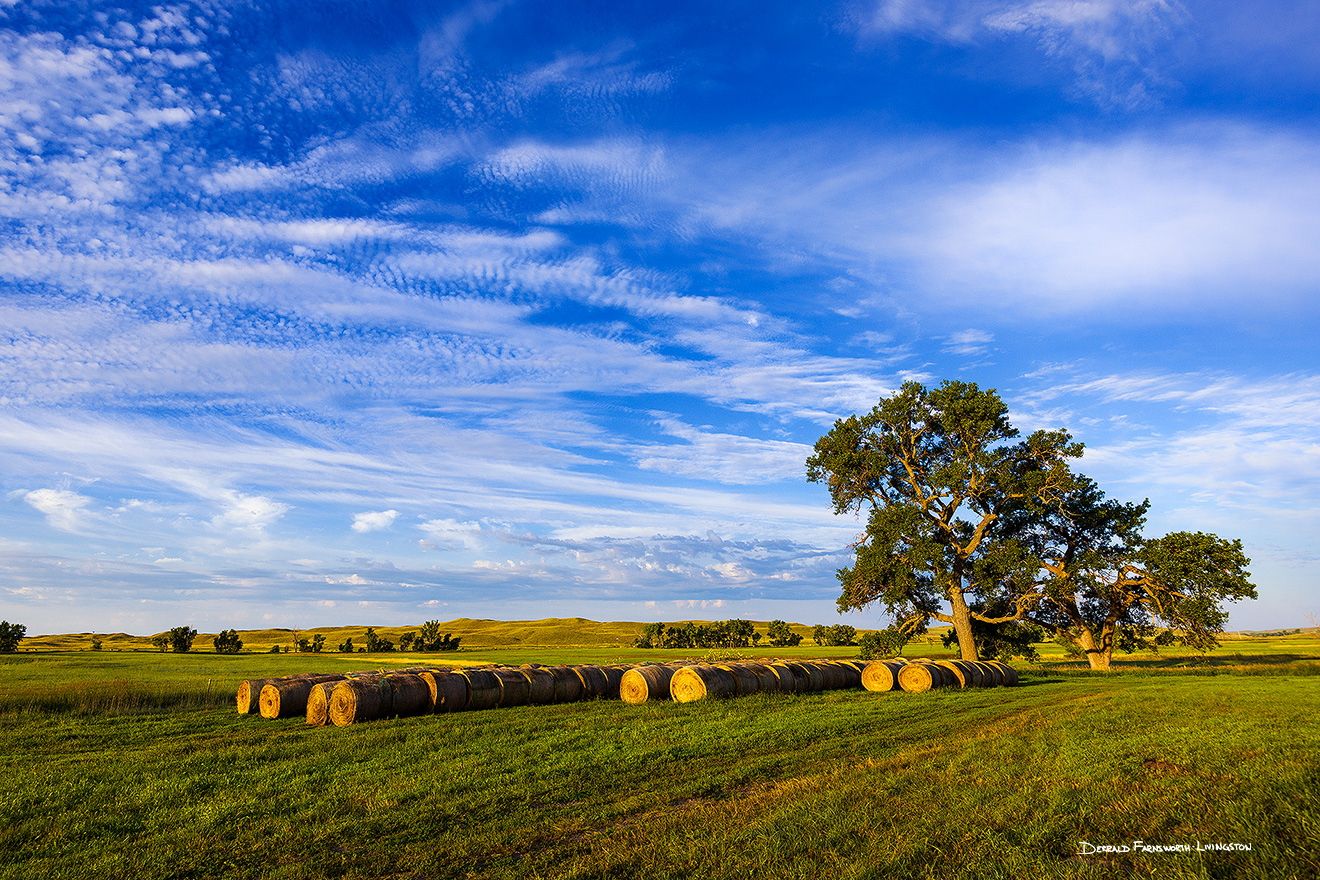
column 992, row 676
column 766, row 680
column 448, row 690
column 970, row 673
column 355, row 700
column 568, row 686
column 881, row 675
column 646, row 683
column 790, row 681
column 745, row 679
column 693, row 683
column 540, row 683
column 959, row 677
column 846, row 674
column 916, row 678
column 409, row 695
column 613, row 679
column 249, row 694
column 318, row 703
column 595, row 683
column 483, row 688
column 287, row 697
column 815, row 677
column 515, row 688
column 853, row 670
column 1008, row 672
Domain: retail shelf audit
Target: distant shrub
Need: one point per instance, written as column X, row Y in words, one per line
column 346, row 647
column 10, row 635
column 181, row 639
column 883, row 643
column 781, row 635
column 429, row 639
column 227, row 642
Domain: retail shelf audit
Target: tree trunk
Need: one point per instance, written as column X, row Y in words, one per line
column 1097, row 657
column 962, row 625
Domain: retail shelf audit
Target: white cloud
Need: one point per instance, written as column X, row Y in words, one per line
column 373, row 521
column 63, row 509
column 1111, row 45
column 726, row 458
column 968, row 342
column 1198, row 217
column 248, row 512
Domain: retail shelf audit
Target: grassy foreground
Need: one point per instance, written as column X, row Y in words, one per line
column 150, row 773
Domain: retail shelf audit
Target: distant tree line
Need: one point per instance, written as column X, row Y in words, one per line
column 720, row 634
column 738, row 633
column 426, row 640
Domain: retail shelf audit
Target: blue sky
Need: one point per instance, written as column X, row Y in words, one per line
column 376, row 312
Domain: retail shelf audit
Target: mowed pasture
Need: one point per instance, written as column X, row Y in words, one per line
column 128, row 764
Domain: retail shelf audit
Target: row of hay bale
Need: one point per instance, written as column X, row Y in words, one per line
column 349, row 698
column 685, row 682
column 353, row 697
column 923, row 674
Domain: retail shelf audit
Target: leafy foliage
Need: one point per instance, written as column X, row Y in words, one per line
column 429, row 639
column 936, row 469
column 1002, row 641
column 227, row 642
column 781, row 635
column 720, row 634
column 840, row 634
column 1102, row 587
column 882, row 643
column 10, row 635
column 346, row 647
column 181, row 639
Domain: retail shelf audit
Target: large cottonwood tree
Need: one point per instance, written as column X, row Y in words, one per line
column 935, row 470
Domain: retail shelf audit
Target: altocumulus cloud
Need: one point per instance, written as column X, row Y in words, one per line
column 374, row 521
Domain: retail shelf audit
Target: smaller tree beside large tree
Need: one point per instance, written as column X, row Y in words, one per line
column 1102, row 586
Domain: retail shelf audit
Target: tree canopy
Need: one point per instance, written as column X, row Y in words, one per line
column 935, row 470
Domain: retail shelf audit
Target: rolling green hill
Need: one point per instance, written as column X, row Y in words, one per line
column 475, row 633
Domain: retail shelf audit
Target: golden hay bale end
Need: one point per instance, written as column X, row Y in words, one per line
column 287, row 697
column 318, row 703
column 249, row 694
column 355, row 700
column 916, row 678
column 881, row 676
column 646, row 683
column 693, row 683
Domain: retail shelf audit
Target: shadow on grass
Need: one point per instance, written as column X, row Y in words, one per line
column 1219, row 664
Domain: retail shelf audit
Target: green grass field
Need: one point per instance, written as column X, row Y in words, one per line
column 123, row 764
